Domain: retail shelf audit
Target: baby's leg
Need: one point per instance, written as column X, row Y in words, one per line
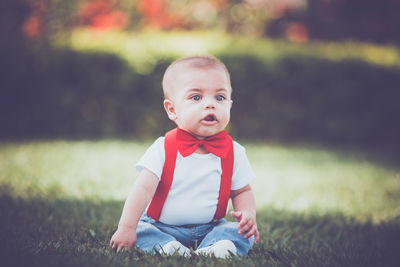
column 150, row 237
column 226, row 233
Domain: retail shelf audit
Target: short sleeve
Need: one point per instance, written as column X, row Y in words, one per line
column 153, row 159
column 242, row 171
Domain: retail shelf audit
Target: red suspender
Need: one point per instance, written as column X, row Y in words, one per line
column 226, row 181
column 171, row 150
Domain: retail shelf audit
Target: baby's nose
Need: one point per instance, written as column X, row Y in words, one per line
column 209, row 103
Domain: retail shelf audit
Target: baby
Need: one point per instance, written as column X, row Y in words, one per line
column 189, row 175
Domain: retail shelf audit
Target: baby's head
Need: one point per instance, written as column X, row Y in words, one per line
column 194, row 62
column 197, row 94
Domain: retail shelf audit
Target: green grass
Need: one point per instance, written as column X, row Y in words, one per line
column 60, row 202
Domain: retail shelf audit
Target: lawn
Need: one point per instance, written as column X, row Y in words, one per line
column 60, row 202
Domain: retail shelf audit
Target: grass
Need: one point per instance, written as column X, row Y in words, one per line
column 60, row 202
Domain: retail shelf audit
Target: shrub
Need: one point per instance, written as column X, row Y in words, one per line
column 64, row 93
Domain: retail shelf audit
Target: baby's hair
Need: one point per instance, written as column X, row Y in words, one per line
column 199, row 62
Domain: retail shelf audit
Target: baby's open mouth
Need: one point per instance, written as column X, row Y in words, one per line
column 210, row 118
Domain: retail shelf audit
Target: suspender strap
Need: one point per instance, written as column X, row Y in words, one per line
column 226, row 181
column 171, row 150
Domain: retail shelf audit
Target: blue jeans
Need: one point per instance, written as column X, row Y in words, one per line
column 153, row 234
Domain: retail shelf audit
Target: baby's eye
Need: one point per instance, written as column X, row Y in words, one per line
column 195, row 97
column 220, row 97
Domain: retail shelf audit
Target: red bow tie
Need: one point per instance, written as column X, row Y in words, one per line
column 218, row 144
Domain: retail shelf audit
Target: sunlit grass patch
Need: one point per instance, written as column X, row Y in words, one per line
column 300, row 179
column 144, row 49
column 59, row 169
column 314, row 180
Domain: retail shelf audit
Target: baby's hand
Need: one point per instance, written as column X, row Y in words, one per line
column 247, row 224
column 124, row 237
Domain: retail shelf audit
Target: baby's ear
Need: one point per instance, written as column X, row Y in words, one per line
column 170, row 109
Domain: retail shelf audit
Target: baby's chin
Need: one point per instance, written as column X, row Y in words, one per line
column 204, row 133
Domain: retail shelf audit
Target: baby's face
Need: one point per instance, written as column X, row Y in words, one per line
column 200, row 100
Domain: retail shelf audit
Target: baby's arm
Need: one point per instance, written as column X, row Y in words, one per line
column 135, row 204
column 245, row 211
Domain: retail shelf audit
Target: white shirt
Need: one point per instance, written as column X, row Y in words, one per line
column 193, row 196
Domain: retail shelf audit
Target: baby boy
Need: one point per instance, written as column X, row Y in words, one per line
column 186, row 178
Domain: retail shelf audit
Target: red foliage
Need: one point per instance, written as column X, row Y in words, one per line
column 103, row 15
column 152, row 8
column 155, row 14
column 218, row 4
column 33, row 25
column 297, row 32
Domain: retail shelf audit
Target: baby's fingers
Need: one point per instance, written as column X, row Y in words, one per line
column 236, row 215
column 113, row 245
column 245, row 226
column 120, row 247
column 116, row 246
column 251, row 232
column 243, row 222
column 256, row 236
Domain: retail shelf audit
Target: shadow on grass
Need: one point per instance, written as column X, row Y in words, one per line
column 326, row 240
column 40, row 232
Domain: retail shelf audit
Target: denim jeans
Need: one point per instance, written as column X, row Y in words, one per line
column 154, row 234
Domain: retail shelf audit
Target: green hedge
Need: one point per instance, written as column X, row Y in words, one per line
column 304, row 98
column 68, row 94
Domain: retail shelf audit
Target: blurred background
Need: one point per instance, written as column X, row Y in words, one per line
column 316, row 89
column 323, row 71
